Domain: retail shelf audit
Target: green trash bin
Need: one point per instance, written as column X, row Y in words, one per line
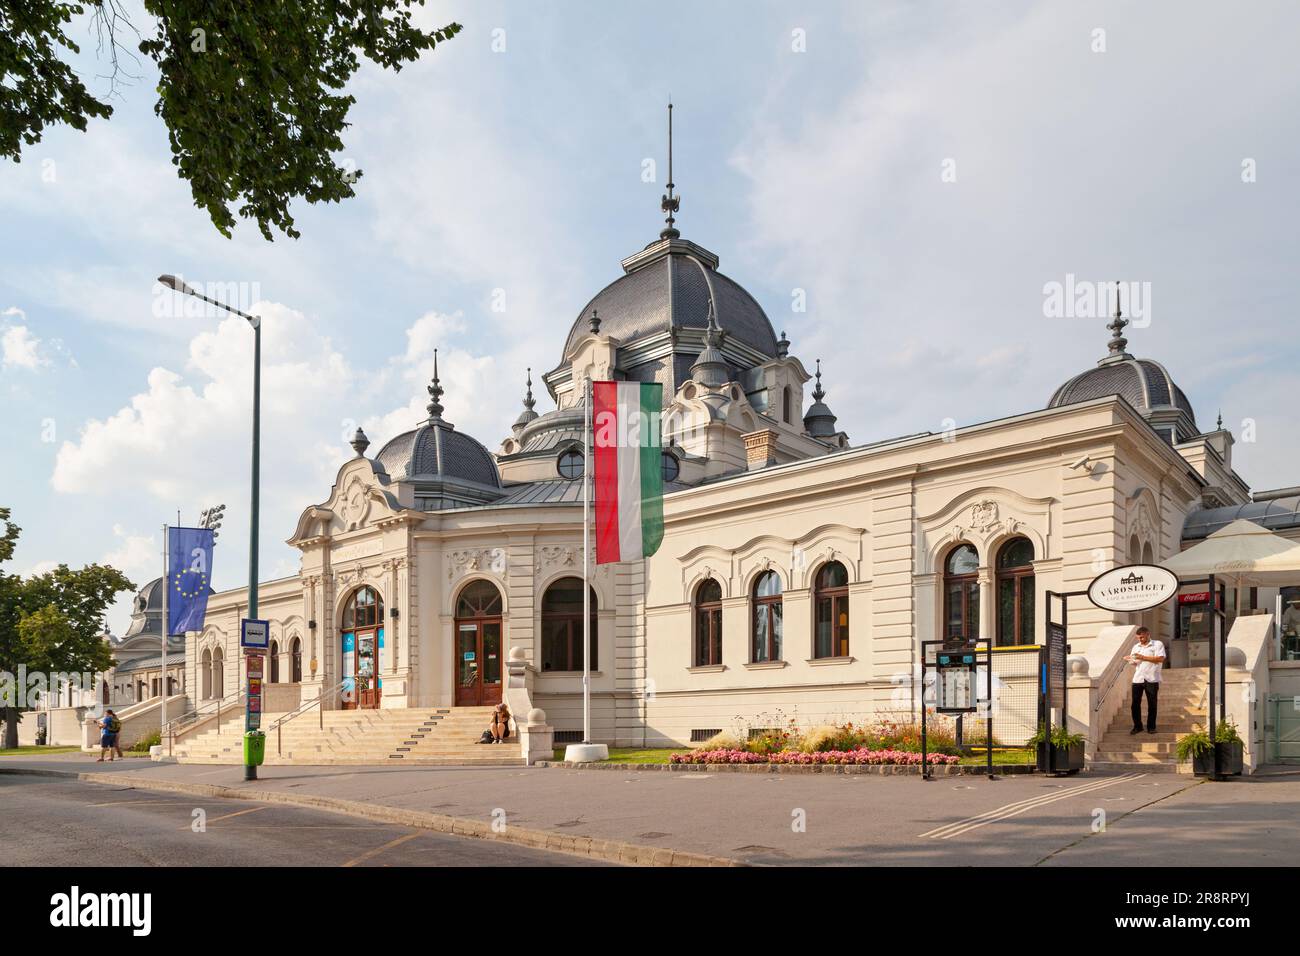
column 254, row 748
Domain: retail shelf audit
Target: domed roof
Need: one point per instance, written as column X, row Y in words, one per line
column 664, row 289
column 1143, row 383
column 436, row 451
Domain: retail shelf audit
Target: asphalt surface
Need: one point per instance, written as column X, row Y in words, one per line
column 1093, row 819
column 46, row 821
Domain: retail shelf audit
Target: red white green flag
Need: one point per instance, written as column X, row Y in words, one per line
column 628, row 486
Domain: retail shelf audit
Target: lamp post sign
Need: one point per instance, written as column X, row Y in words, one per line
column 254, row 663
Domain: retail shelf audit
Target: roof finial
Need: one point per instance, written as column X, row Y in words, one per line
column 360, row 443
column 670, row 203
column 1117, row 341
column 818, row 392
column 595, row 322
column 435, row 392
column 1219, row 424
column 529, row 401
column 782, row 345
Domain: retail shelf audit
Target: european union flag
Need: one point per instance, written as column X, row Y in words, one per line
column 189, row 576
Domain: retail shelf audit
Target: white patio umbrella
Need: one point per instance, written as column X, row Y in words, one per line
column 1242, row 553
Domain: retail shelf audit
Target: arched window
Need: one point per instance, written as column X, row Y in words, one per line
column 218, row 674
column 787, row 405
column 362, row 639
column 570, row 464
column 961, row 594
column 831, row 600
column 562, row 626
column 1015, row 590
column 708, row 624
column 295, row 661
column 478, row 599
column 273, row 654
column 766, row 643
column 364, row 609
column 205, row 675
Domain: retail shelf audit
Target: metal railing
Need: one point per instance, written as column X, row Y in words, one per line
column 317, row 702
column 178, row 725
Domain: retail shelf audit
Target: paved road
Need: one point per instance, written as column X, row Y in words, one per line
column 1149, row 819
column 47, row 822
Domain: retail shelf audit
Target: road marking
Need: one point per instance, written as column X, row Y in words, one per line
column 146, row 803
column 370, row 854
column 237, row 813
column 949, row 830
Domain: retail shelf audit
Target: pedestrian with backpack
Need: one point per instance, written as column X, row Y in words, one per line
column 109, row 728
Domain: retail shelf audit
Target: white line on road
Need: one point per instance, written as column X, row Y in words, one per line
column 949, row 830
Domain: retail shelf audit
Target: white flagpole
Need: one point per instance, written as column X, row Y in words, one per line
column 586, row 559
column 166, row 626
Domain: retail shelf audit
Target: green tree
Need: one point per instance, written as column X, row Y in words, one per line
column 251, row 92
column 52, row 622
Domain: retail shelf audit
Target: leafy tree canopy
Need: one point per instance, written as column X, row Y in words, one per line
column 250, row 92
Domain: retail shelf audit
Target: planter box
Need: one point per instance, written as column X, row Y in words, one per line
column 1053, row 759
column 1231, row 760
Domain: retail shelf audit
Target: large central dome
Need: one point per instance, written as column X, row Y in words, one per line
column 665, row 289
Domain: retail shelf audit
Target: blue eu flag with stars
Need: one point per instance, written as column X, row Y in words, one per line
column 189, row 577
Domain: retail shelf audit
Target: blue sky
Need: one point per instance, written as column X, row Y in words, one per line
column 811, row 143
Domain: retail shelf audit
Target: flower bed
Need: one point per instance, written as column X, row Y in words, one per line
column 862, row 756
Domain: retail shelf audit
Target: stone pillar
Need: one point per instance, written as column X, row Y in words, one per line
column 536, row 737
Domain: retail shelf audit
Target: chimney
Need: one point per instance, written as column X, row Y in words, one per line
column 760, row 448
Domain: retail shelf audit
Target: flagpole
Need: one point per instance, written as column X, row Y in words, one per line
column 166, row 626
column 586, row 560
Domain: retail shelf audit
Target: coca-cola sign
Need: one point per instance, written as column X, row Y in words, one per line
column 1133, row 587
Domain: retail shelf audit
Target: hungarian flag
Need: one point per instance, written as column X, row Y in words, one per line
column 629, row 488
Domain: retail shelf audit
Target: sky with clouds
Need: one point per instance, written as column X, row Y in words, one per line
column 920, row 171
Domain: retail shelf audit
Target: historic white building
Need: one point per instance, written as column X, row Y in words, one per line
column 798, row 572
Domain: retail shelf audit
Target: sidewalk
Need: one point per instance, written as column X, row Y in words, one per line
column 711, row 818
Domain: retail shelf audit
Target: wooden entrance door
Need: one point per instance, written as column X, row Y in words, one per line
column 478, row 662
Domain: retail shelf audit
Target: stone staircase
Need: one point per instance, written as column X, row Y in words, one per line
column 445, row 736
column 1182, row 709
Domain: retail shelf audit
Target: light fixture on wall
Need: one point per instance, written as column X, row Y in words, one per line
column 392, row 612
column 311, row 625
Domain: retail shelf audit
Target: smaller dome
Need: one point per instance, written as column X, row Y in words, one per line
column 1143, row 383
column 435, row 451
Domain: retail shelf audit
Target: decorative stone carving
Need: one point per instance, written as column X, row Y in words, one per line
column 471, row 560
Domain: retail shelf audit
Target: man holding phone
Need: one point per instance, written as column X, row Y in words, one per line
column 1149, row 656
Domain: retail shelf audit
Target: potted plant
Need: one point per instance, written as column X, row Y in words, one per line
column 1198, row 748
column 1061, row 752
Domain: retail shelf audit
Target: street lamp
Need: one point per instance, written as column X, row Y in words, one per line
column 176, row 283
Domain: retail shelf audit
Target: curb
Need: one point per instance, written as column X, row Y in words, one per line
column 610, row 851
column 828, row 768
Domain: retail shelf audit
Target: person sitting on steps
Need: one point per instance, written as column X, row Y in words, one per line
column 500, row 723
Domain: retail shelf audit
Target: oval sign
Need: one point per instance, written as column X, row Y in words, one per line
column 1133, row 587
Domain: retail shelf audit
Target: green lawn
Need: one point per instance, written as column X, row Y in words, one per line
column 633, row 754
column 38, row 750
column 1008, row 757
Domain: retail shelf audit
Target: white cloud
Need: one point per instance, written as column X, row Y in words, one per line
column 19, row 348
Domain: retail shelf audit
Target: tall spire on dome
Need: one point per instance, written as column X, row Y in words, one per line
column 818, row 392
column 1118, row 343
column 527, row 415
column 435, row 393
column 670, row 203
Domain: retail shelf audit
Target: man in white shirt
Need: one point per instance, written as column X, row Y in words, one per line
column 1149, row 656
